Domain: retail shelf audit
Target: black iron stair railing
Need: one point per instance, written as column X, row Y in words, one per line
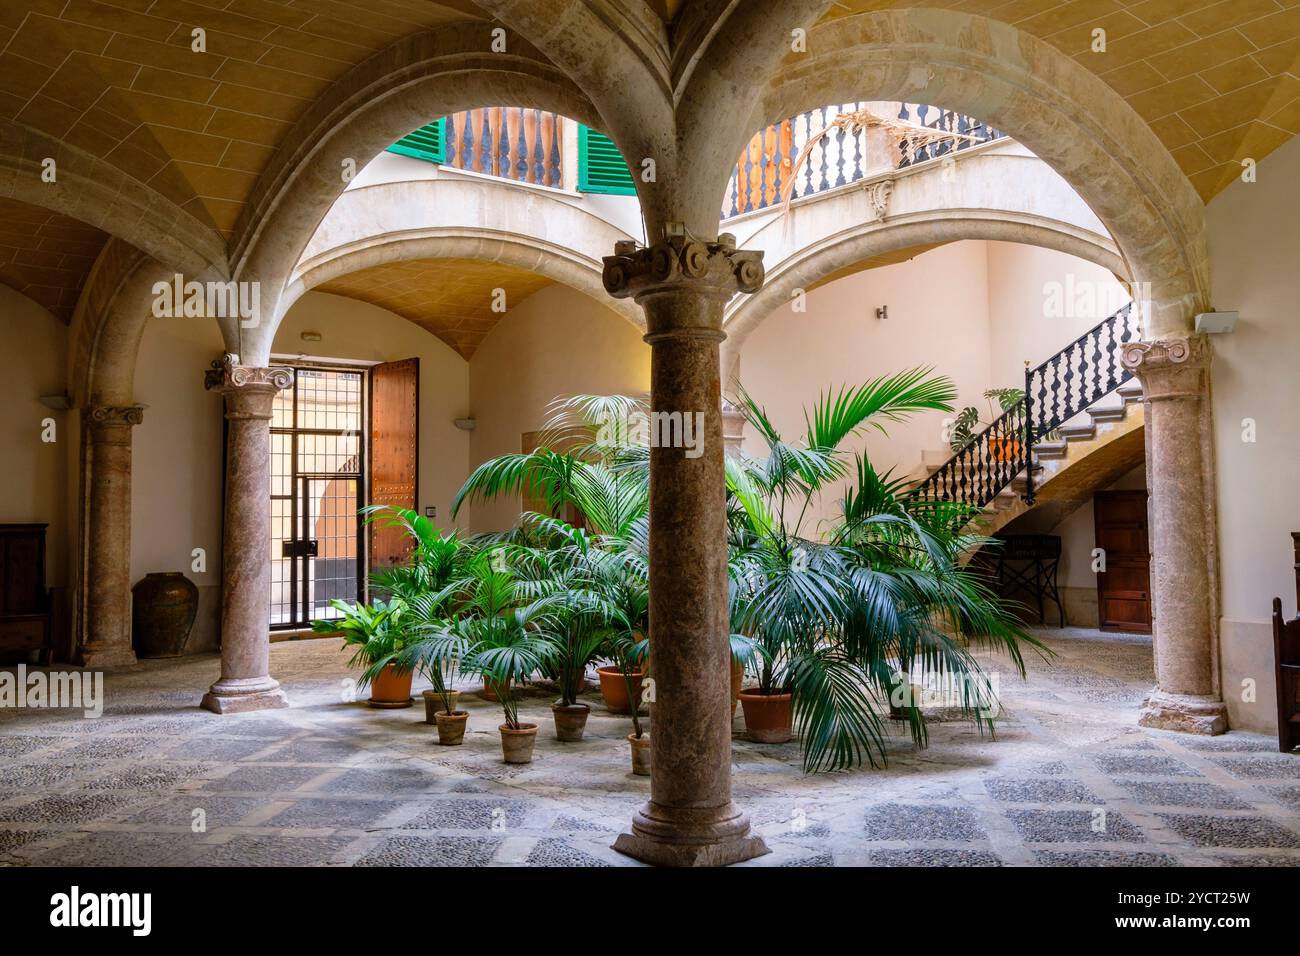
column 1086, row 370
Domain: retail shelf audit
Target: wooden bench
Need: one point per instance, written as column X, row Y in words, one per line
column 1286, row 652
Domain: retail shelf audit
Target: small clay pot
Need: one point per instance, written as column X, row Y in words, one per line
column 433, row 704
column 451, row 727
column 614, row 690
column 517, row 745
column 570, row 720
column 769, row 718
column 391, row 689
column 640, row 754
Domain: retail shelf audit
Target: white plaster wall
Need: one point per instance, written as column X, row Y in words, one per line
column 176, row 464
column 1254, row 236
column 1025, row 323
column 556, row 342
column 37, row 482
column 938, row 315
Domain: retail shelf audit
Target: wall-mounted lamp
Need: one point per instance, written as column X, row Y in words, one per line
column 466, row 424
column 58, row 402
column 310, row 336
column 882, row 312
column 1207, row 322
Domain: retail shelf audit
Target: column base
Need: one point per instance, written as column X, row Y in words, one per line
column 1187, row 713
column 106, row 657
column 665, row 836
column 243, row 695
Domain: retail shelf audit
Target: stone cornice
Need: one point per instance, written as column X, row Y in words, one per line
column 679, row 264
column 226, row 376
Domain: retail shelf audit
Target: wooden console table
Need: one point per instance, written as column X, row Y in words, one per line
column 1027, row 564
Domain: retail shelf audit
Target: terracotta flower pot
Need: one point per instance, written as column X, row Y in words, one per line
column 640, row 754
column 488, row 694
column 769, row 718
column 570, row 720
column 163, row 605
column 433, row 704
column 1004, row 449
column 391, row 689
column 517, row 745
column 737, row 678
column 614, row 689
column 451, row 727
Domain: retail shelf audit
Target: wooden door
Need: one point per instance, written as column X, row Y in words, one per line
column 1124, row 589
column 394, row 452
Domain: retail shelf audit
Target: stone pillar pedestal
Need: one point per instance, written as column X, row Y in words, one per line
column 690, row 819
column 1184, row 581
column 246, row 683
column 108, row 537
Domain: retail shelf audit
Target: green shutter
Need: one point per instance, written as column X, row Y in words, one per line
column 424, row 143
column 600, row 167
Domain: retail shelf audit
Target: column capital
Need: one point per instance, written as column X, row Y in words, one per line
column 227, row 375
column 114, row 416
column 1170, row 368
column 680, row 264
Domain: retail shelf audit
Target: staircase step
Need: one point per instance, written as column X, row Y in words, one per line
column 1108, row 411
column 1080, row 432
column 1131, row 391
column 1052, row 449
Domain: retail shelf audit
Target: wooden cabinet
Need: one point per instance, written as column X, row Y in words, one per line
column 24, row 600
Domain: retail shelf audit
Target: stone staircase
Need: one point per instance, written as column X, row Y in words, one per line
column 1109, row 418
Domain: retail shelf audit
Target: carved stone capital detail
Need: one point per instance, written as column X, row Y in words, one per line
column 678, row 264
column 226, row 375
column 1170, row 368
column 114, row 416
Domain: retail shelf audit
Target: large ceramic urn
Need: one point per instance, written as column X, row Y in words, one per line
column 162, row 613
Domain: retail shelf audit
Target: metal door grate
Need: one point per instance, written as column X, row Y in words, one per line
column 317, row 451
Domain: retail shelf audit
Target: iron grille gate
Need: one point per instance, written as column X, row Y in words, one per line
column 317, row 465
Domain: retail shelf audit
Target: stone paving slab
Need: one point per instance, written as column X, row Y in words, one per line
column 1067, row 779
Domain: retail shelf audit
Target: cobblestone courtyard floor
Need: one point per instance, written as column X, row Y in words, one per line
column 332, row 783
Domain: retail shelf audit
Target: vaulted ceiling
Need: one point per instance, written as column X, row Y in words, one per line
column 1217, row 80
column 455, row 299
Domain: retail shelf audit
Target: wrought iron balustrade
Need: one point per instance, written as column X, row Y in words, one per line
column 1076, row 377
column 841, row 157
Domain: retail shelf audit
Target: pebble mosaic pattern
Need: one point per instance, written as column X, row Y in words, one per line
column 1069, row 779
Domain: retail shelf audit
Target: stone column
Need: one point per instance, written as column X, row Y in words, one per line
column 690, row 819
column 108, row 537
column 1184, row 582
column 246, row 683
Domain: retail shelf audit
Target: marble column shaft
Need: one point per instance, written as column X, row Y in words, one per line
column 108, row 537
column 1175, row 378
column 690, row 819
column 246, row 683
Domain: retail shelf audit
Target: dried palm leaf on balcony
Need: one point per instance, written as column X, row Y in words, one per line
column 907, row 137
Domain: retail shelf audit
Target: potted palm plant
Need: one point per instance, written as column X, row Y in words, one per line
column 376, row 634
column 428, row 584
column 837, row 616
column 628, row 650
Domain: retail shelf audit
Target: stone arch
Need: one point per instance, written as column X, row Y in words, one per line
column 109, row 325
column 490, row 220
column 1071, row 119
column 812, row 264
column 99, row 194
column 371, row 107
